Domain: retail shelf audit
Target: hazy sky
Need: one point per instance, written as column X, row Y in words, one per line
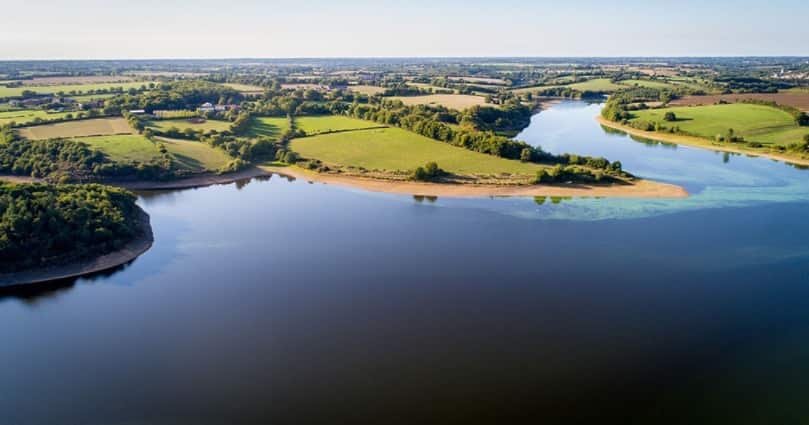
column 36, row 29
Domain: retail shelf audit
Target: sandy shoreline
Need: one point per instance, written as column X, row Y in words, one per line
column 129, row 252
column 640, row 189
column 698, row 142
column 186, row 183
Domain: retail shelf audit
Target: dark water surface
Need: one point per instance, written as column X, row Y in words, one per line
column 272, row 301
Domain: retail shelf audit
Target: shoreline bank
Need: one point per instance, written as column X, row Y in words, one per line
column 132, row 250
column 638, row 189
column 698, row 142
column 202, row 180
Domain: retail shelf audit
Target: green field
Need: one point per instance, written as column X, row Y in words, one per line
column 596, row 85
column 89, row 97
column 756, row 123
column 26, row 116
column 182, row 124
column 393, row 149
column 78, row 128
column 132, row 147
column 329, row 123
column 196, row 156
column 272, row 127
column 652, row 84
column 245, row 88
column 67, row 89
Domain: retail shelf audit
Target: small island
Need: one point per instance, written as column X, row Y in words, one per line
column 52, row 232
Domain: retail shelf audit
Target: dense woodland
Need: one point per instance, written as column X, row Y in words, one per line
column 47, row 224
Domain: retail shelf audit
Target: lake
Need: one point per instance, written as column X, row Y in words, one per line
column 278, row 301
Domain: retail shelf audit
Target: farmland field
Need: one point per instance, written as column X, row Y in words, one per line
column 182, row 124
column 479, row 80
column 132, row 147
column 80, row 128
column 452, row 101
column 70, row 88
column 268, row 127
column 596, row 85
column 245, row 88
column 396, row 149
column 329, row 123
column 794, row 99
column 369, row 90
column 195, row 156
column 27, row 116
column 86, row 79
column 756, row 123
column 189, row 155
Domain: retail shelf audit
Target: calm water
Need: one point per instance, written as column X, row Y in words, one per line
column 273, row 301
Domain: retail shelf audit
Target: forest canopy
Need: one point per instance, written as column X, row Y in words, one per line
column 46, row 224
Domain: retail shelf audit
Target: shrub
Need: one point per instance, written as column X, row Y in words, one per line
column 670, row 117
column 429, row 172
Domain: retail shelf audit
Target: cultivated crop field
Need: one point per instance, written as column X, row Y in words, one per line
column 330, row 123
column 27, row 116
column 756, row 123
column 452, row 101
column 182, row 124
column 394, row 149
column 80, row 128
column 272, row 127
column 794, row 99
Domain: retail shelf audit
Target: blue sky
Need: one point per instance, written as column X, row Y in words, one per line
column 358, row 28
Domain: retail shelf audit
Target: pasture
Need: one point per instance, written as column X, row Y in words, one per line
column 603, row 85
column 80, row 128
column 183, row 124
column 794, row 99
column 329, row 123
column 28, row 116
column 394, row 149
column 756, row 123
column 69, row 88
column 69, row 80
column 368, row 90
column 452, row 101
column 272, row 127
column 195, row 156
column 130, row 147
column 245, row 88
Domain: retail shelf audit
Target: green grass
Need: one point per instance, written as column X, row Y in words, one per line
column 756, row 123
column 272, row 127
column 89, row 97
column 329, row 123
column 648, row 84
column 182, row 124
column 394, row 149
column 78, row 88
column 245, row 88
column 27, row 116
column 78, row 128
column 124, row 148
column 195, row 156
column 188, row 155
column 597, row 84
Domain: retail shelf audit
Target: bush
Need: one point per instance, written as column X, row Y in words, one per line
column 429, row 172
column 670, row 117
